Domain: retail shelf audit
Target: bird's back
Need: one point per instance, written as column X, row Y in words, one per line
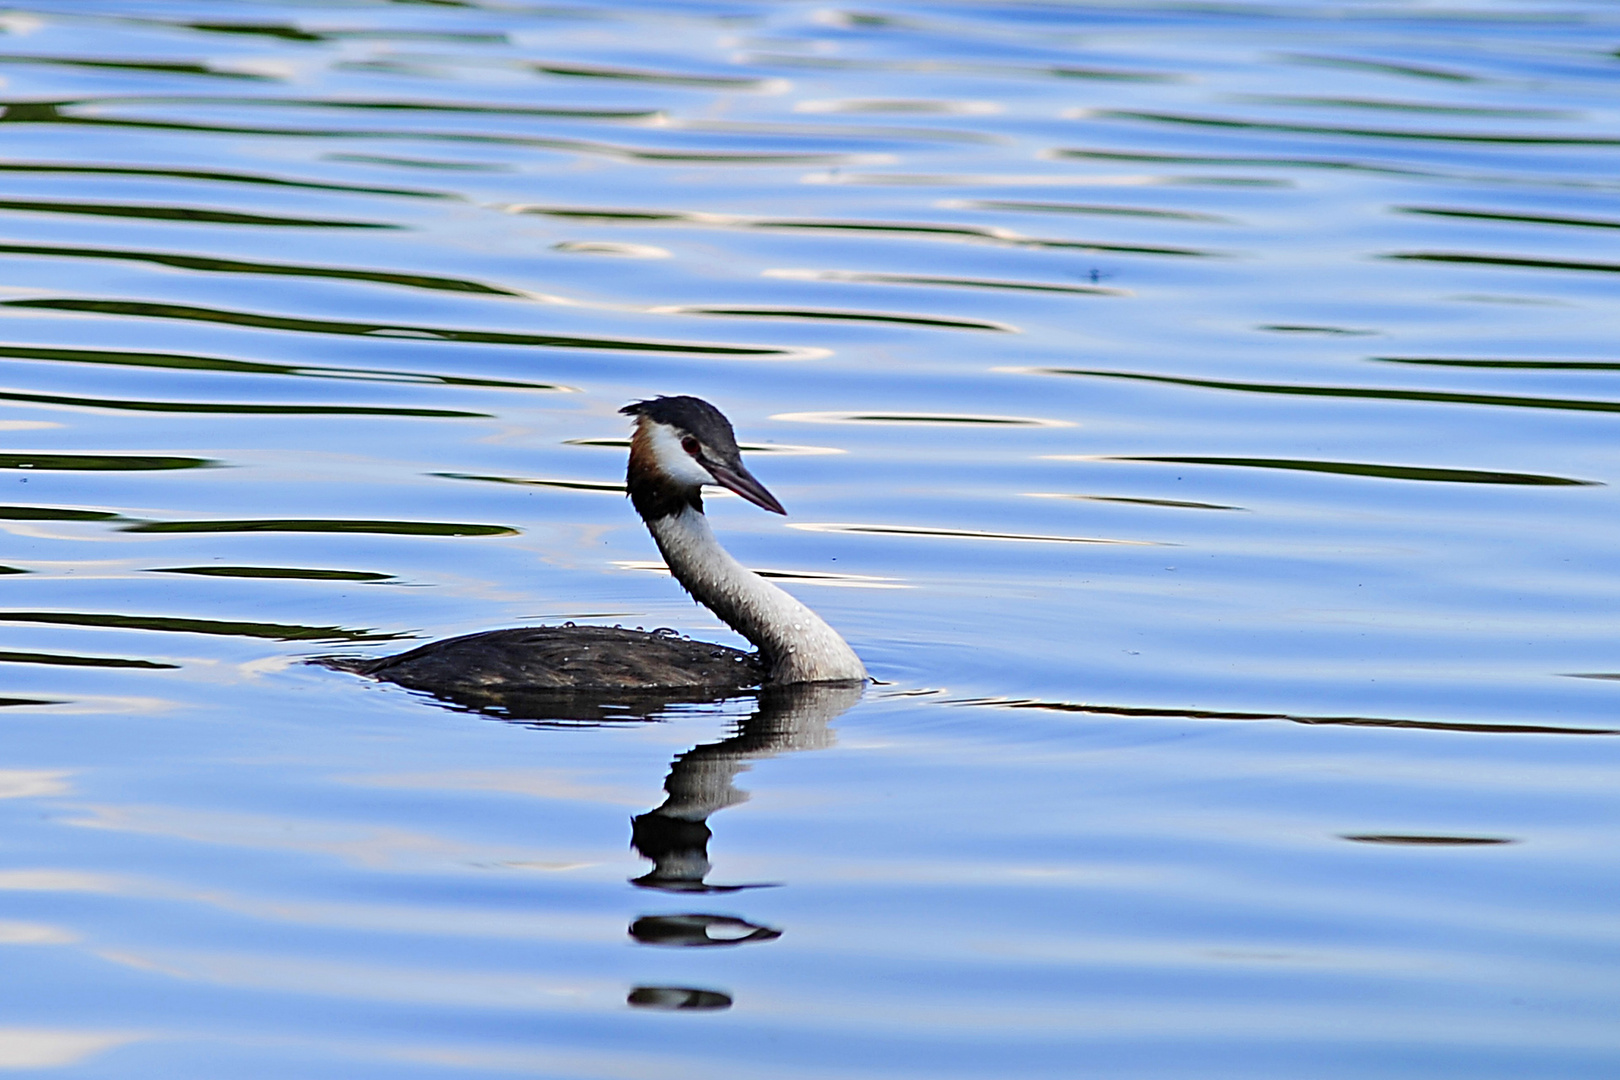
column 565, row 658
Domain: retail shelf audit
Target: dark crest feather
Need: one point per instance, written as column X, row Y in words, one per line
column 692, row 415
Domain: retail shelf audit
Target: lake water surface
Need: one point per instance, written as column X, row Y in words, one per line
column 1201, row 417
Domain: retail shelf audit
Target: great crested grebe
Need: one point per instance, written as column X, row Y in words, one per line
column 679, row 444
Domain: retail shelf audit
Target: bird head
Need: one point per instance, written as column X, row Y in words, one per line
column 680, row 444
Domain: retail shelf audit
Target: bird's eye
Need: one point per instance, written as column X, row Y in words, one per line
column 691, row 445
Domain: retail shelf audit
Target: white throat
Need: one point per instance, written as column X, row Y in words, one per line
column 797, row 644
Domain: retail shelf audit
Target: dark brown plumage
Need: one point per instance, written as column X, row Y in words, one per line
column 561, row 658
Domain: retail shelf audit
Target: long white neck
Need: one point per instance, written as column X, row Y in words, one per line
column 795, row 642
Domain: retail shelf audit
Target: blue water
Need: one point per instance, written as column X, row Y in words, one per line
column 1199, row 417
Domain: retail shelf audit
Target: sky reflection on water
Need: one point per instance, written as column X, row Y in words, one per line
column 317, row 321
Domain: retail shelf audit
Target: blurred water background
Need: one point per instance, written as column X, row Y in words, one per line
column 1201, row 417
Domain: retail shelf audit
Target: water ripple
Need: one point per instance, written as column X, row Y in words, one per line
column 1178, row 504
column 1387, row 105
column 614, row 487
column 1356, row 468
column 274, row 572
column 937, row 67
column 101, row 462
column 324, row 525
column 1446, row 397
column 1531, row 365
column 1384, row 67
column 36, row 112
column 212, row 176
column 142, row 309
column 1294, row 162
column 1500, row 215
column 235, row 408
column 835, row 131
column 943, row 322
column 1486, row 138
column 929, row 230
column 293, row 32
column 1312, row 721
column 665, row 78
column 960, row 534
column 61, row 660
column 866, row 277
column 1549, row 179
column 213, row 265
column 1296, row 328
column 1516, row 261
column 1410, row 840
column 167, row 624
column 54, row 513
column 979, row 180
column 183, row 213
column 609, row 247
column 166, row 67
column 184, row 362
column 912, row 106
column 917, row 418
column 386, row 105
column 1018, row 205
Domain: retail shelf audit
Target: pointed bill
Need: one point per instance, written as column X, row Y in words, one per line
column 737, row 478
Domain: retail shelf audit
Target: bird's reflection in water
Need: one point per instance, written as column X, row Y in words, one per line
column 564, row 708
column 675, row 835
column 673, row 998
column 699, row 930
